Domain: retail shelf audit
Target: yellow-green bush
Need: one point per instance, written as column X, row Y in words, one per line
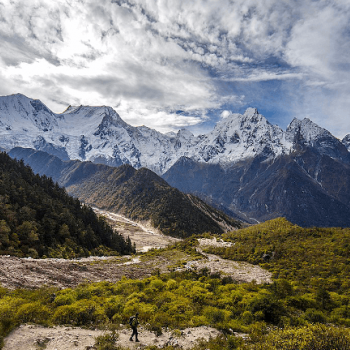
column 32, row 312
column 84, row 312
column 310, row 337
column 65, row 297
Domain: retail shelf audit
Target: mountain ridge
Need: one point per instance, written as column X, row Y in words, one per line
column 100, row 135
column 38, row 218
column 307, row 187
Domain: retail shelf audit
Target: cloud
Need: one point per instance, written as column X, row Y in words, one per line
column 161, row 56
column 319, row 47
column 225, row 114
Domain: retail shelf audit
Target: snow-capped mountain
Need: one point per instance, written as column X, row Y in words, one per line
column 241, row 136
column 99, row 134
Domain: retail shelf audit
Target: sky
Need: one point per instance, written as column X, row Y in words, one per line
column 172, row 64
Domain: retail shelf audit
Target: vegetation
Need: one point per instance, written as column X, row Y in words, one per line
column 177, row 300
column 305, row 308
column 39, row 219
column 310, row 258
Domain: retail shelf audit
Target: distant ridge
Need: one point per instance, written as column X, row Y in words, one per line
column 99, row 134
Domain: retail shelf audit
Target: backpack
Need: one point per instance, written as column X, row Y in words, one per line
column 133, row 322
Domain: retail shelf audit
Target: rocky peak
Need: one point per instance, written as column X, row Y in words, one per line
column 306, row 132
column 251, row 113
column 184, row 134
column 307, row 129
column 346, row 142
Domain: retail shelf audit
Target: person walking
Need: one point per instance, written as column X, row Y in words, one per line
column 133, row 322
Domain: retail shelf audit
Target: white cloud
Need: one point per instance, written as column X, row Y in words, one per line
column 225, row 114
column 160, row 56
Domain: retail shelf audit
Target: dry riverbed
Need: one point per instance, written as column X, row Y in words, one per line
column 142, row 234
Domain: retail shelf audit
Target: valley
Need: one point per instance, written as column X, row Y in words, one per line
column 186, row 292
column 69, row 273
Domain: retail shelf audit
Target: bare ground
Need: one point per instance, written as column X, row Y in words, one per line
column 30, row 337
column 142, row 234
column 61, row 273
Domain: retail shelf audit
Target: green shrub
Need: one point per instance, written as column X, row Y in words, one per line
column 107, row 341
column 310, row 337
column 214, row 315
column 65, row 297
column 267, row 309
column 32, row 312
column 83, row 312
column 315, row 316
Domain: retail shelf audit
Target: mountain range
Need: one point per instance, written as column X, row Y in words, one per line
column 246, row 165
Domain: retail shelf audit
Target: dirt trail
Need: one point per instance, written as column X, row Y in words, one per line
column 239, row 271
column 30, row 337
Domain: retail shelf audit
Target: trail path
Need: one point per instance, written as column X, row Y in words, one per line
column 239, row 271
column 30, row 337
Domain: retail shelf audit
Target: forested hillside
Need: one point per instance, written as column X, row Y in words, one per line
column 38, row 218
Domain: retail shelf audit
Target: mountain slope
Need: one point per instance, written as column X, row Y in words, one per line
column 306, row 187
column 138, row 194
column 38, row 218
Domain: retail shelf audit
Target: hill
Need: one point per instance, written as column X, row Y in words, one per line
column 38, row 218
column 312, row 258
column 138, row 194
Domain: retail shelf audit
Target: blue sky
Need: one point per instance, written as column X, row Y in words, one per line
column 149, row 59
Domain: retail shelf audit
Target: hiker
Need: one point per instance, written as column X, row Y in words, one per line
column 133, row 322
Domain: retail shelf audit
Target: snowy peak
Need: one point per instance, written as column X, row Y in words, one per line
column 241, row 136
column 88, row 117
column 306, row 129
column 184, row 134
column 252, row 113
column 19, row 111
column 99, row 134
column 307, row 133
column 251, row 121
